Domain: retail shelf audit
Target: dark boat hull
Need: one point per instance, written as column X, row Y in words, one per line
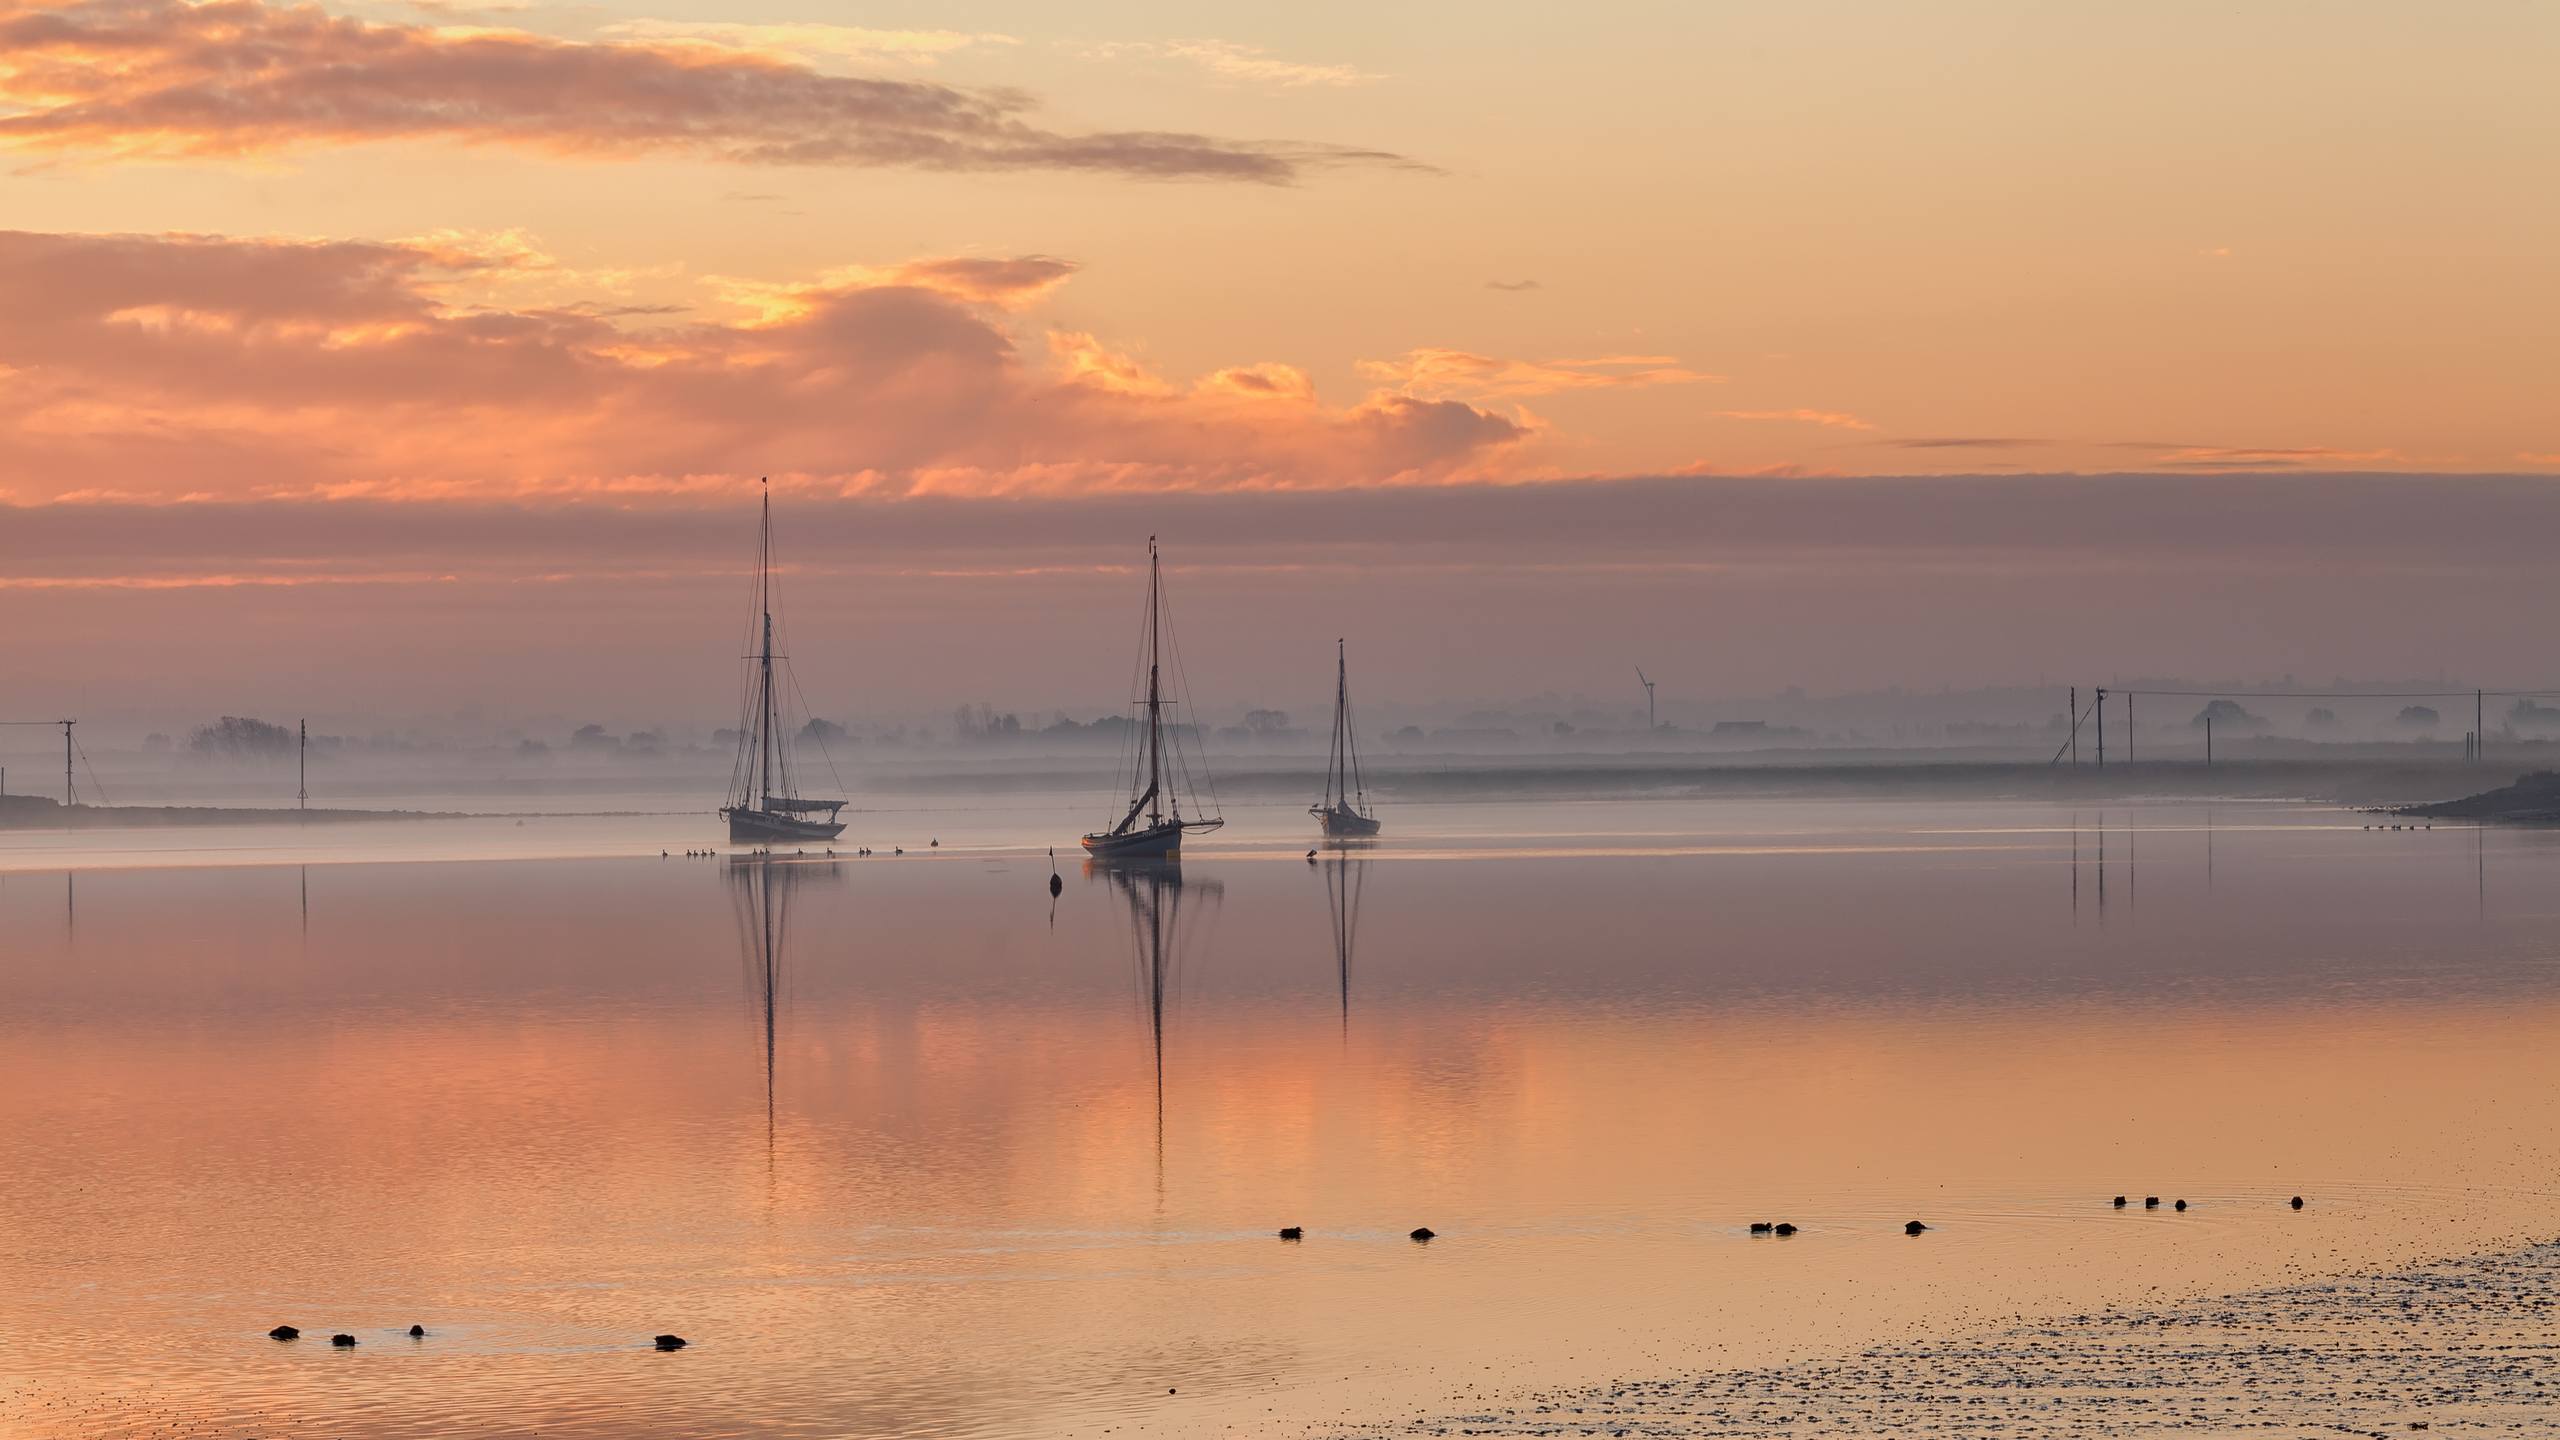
column 1155, row 842
column 1344, row 821
column 763, row 827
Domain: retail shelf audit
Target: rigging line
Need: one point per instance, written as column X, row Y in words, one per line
column 94, row 782
column 2065, row 746
column 818, row 735
column 1182, row 681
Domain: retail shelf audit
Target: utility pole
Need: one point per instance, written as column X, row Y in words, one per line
column 2208, row 743
column 2101, row 708
column 69, row 796
column 2479, row 724
column 302, row 765
column 2128, row 727
column 2074, row 718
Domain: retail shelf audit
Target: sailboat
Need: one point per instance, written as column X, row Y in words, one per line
column 765, row 804
column 1152, row 826
column 1344, row 810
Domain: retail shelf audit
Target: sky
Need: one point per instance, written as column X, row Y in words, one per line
column 401, row 357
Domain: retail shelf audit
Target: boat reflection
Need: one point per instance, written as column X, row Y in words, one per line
column 1167, row 915
column 1344, row 881
column 760, row 894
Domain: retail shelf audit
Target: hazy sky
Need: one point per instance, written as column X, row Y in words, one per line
column 409, row 352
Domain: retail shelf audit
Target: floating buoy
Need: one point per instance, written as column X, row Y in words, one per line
column 284, row 1332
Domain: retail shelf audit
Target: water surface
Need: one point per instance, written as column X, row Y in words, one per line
column 905, row 1148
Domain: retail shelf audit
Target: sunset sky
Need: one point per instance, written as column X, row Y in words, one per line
column 386, row 356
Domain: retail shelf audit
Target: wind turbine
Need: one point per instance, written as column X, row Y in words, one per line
column 1648, row 699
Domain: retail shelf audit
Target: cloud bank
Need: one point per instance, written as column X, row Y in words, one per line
column 169, row 79
column 168, row 366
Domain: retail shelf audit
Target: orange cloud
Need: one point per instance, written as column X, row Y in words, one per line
column 211, row 365
column 236, row 78
column 1835, row 419
column 1459, row 372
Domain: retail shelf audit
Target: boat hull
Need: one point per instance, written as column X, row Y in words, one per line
column 765, row 827
column 1155, row 842
column 1344, row 821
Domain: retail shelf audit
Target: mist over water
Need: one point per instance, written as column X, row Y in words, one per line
column 903, row 1146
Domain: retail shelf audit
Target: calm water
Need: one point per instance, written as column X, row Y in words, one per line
column 904, row 1149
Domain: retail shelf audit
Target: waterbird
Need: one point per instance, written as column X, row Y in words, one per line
column 669, row 1342
column 1423, row 1235
column 1913, row 1227
column 1783, row 1229
column 2297, row 1202
column 1055, row 884
column 1311, row 857
column 284, row 1332
column 1759, row 1227
column 342, row 1341
column 1292, row 1232
column 2150, row 1202
column 2182, row 1205
column 417, row 1332
column 2119, row 1202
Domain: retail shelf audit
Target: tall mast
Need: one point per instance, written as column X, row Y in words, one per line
column 1155, row 693
column 1336, row 788
column 764, row 656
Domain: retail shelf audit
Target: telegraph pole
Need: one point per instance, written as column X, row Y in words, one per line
column 302, row 765
column 2074, row 718
column 2101, row 708
column 69, row 796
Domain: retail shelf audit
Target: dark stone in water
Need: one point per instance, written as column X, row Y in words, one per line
column 2119, row 1202
column 1784, row 1228
column 1913, row 1228
column 1759, row 1227
column 2150, row 1202
column 417, row 1332
column 284, row 1332
column 2297, row 1202
column 342, row 1341
column 670, row 1342
column 1292, row 1232
column 1425, row 1233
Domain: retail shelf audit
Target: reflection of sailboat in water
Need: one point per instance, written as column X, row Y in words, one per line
column 1344, row 810
column 1152, row 827
column 765, row 803
column 1159, row 931
column 760, row 891
column 1344, row 879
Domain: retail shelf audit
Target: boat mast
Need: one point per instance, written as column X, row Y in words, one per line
column 764, row 657
column 1334, row 790
column 1155, row 692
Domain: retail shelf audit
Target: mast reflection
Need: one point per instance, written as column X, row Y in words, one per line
column 760, row 897
column 1344, row 881
column 1165, row 914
